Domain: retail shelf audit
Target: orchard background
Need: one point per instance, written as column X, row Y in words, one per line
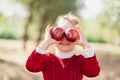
column 22, row 26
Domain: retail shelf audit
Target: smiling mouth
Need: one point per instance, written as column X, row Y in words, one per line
column 65, row 44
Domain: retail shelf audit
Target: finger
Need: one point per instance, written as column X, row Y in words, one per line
column 78, row 43
column 47, row 32
column 47, row 26
column 79, row 28
column 55, row 42
column 80, row 33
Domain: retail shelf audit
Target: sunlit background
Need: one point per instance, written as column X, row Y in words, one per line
column 23, row 22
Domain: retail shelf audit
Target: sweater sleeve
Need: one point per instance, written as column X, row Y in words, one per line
column 90, row 66
column 37, row 62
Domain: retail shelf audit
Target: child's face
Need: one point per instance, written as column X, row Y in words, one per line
column 65, row 45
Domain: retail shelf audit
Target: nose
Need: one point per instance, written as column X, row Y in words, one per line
column 64, row 40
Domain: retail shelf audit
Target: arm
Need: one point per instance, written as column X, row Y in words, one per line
column 90, row 66
column 39, row 58
column 37, row 62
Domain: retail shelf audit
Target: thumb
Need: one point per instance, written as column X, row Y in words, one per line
column 47, row 28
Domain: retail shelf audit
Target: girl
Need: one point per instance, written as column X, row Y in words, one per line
column 64, row 64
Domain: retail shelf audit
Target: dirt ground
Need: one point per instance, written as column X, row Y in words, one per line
column 12, row 61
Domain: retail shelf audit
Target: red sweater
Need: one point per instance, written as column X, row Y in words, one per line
column 54, row 68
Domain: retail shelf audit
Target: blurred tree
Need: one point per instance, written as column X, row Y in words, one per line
column 115, row 14
column 46, row 12
column 111, row 16
column 29, row 19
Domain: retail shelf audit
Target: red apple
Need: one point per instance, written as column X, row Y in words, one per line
column 57, row 33
column 72, row 35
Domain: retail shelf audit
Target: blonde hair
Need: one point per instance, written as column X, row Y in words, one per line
column 66, row 19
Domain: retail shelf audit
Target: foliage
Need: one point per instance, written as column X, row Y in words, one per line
column 8, row 35
column 105, row 27
column 11, row 27
column 44, row 12
column 109, row 21
column 96, row 38
column 111, row 16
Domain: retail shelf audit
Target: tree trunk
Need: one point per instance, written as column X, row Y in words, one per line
column 42, row 27
column 25, row 35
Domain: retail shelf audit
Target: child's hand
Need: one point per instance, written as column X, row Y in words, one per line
column 48, row 37
column 82, row 41
column 48, row 41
